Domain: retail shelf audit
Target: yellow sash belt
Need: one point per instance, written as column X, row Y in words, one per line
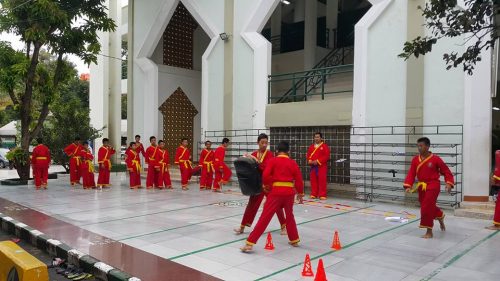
column 423, row 185
column 187, row 163
column 137, row 165
column 91, row 166
column 283, row 184
column 210, row 166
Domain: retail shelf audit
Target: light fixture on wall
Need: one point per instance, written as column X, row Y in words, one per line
column 224, row 36
column 285, row 2
column 496, row 108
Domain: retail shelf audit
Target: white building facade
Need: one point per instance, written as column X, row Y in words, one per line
column 203, row 65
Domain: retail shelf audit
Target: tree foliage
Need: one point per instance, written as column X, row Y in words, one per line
column 62, row 27
column 70, row 112
column 475, row 22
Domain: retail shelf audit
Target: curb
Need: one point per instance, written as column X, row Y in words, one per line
column 56, row 248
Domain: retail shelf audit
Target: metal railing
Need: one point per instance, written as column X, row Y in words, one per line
column 367, row 163
column 312, row 83
column 335, row 57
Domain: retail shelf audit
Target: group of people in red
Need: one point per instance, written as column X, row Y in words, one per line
column 158, row 161
column 81, row 165
column 281, row 177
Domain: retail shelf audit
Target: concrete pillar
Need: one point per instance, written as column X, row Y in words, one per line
column 299, row 11
column 332, row 16
column 130, row 71
column 115, row 66
column 310, row 31
column 477, row 131
column 228, row 64
column 414, row 67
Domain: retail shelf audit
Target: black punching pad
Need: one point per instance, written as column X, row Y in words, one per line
column 249, row 177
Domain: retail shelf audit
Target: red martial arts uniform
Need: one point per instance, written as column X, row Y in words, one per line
column 207, row 168
column 139, row 148
column 73, row 152
column 428, row 171
column 153, row 166
column 496, row 177
column 283, row 175
column 321, row 154
column 255, row 200
column 134, row 167
column 183, row 159
column 163, row 162
column 87, row 168
column 222, row 171
column 40, row 159
column 104, row 161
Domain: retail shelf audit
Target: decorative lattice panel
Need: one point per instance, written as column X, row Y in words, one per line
column 178, row 39
column 178, row 118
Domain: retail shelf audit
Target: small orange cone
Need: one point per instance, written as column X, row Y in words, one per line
column 320, row 272
column 307, row 270
column 269, row 242
column 336, row 241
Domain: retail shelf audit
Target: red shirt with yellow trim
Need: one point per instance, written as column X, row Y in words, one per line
column 104, row 155
column 182, row 154
column 151, row 155
column 220, row 154
column 321, row 153
column 282, row 171
column 72, row 149
column 206, row 156
column 263, row 159
column 428, row 170
column 132, row 160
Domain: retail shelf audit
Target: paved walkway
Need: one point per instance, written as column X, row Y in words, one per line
column 194, row 228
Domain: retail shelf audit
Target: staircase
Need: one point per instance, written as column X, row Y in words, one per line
column 306, row 84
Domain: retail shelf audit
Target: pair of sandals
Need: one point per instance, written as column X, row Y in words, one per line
column 70, row 271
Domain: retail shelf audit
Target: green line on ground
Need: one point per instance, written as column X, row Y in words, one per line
column 275, row 230
column 343, row 247
column 156, row 213
column 458, row 256
column 178, row 227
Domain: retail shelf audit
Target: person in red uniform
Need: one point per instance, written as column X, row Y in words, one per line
column 318, row 155
column 262, row 156
column 104, row 160
column 282, row 179
column 153, row 166
column 133, row 166
column 427, row 168
column 87, row 167
column 40, row 159
column 206, row 164
column 164, row 180
column 496, row 181
column 139, row 147
column 183, row 159
column 222, row 171
column 73, row 152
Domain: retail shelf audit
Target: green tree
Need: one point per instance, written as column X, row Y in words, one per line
column 62, row 27
column 445, row 20
column 68, row 112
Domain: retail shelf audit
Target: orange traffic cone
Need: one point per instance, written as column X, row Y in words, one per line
column 307, row 270
column 320, row 272
column 269, row 242
column 336, row 241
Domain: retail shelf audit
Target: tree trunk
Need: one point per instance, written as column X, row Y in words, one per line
column 25, row 112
